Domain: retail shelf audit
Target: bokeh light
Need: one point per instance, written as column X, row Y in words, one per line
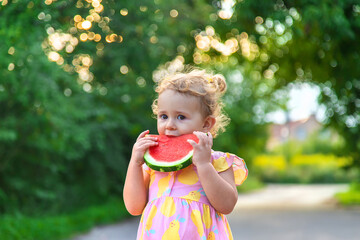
column 174, row 13
column 124, row 69
column 124, row 12
column 11, row 66
column 86, row 25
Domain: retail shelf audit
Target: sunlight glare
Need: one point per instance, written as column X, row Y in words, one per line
column 86, row 25
column 227, row 10
column 54, row 56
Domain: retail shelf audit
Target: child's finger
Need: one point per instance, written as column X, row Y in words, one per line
column 143, row 134
column 151, row 138
column 197, row 134
column 144, row 145
column 192, row 142
column 201, row 136
column 144, row 141
column 149, row 144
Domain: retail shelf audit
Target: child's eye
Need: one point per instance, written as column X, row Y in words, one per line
column 163, row 116
column 181, row 117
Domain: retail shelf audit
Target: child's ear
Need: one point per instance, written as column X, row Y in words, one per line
column 209, row 123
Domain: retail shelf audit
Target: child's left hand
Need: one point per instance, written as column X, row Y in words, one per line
column 202, row 150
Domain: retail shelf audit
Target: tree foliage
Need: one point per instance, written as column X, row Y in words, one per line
column 287, row 42
column 73, row 98
column 76, row 82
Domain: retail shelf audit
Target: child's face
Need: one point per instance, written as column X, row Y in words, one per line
column 179, row 114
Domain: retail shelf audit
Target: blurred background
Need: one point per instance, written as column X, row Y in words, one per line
column 77, row 82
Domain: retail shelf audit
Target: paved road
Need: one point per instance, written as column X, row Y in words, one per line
column 290, row 212
column 304, row 224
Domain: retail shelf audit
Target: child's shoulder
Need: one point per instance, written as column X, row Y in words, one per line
column 224, row 160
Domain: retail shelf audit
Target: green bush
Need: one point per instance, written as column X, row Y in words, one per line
column 316, row 168
column 351, row 197
column 315, row 160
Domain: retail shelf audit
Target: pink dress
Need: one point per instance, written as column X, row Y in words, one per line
column 178, row 207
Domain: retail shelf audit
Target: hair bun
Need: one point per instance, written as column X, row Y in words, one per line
column 219, row 82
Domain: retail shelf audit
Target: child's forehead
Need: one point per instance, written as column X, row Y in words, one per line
column 175, row 99
column 170, row 94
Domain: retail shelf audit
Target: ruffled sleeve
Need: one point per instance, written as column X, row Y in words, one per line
column 222, row 161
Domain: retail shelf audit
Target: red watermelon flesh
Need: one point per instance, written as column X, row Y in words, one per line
column 171, row 154
column 172, row 148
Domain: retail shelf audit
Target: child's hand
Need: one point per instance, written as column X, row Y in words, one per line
column 202, row 150
column 142, row 143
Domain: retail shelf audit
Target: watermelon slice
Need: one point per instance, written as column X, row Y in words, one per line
column 171, row 154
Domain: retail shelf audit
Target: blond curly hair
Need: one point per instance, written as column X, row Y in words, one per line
column 208, row 87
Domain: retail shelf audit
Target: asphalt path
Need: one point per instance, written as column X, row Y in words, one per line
column 292, row 224
column 281, row 212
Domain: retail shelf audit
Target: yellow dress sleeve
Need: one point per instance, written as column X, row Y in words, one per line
column 222, row 161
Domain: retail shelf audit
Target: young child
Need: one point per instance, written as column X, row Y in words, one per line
column 188, row 204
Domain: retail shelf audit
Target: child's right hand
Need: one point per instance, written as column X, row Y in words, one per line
column 142, row 143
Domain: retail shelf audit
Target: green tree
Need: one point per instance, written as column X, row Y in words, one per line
column 76, row 82
column 76, row 90
column 284, row 42
column 49, row 126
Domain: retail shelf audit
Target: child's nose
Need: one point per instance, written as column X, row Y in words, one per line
column 170, row 124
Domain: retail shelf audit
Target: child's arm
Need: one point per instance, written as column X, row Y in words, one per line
column 219, row 188
column 137, row 181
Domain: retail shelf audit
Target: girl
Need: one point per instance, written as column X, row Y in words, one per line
column 188, row 204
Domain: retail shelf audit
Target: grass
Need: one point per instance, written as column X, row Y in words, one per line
column 351, row 197
column 21, row 227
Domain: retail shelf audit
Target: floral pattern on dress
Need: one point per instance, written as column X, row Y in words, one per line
column 178, row 207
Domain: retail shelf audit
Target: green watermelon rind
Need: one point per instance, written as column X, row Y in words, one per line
column 168, row 166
